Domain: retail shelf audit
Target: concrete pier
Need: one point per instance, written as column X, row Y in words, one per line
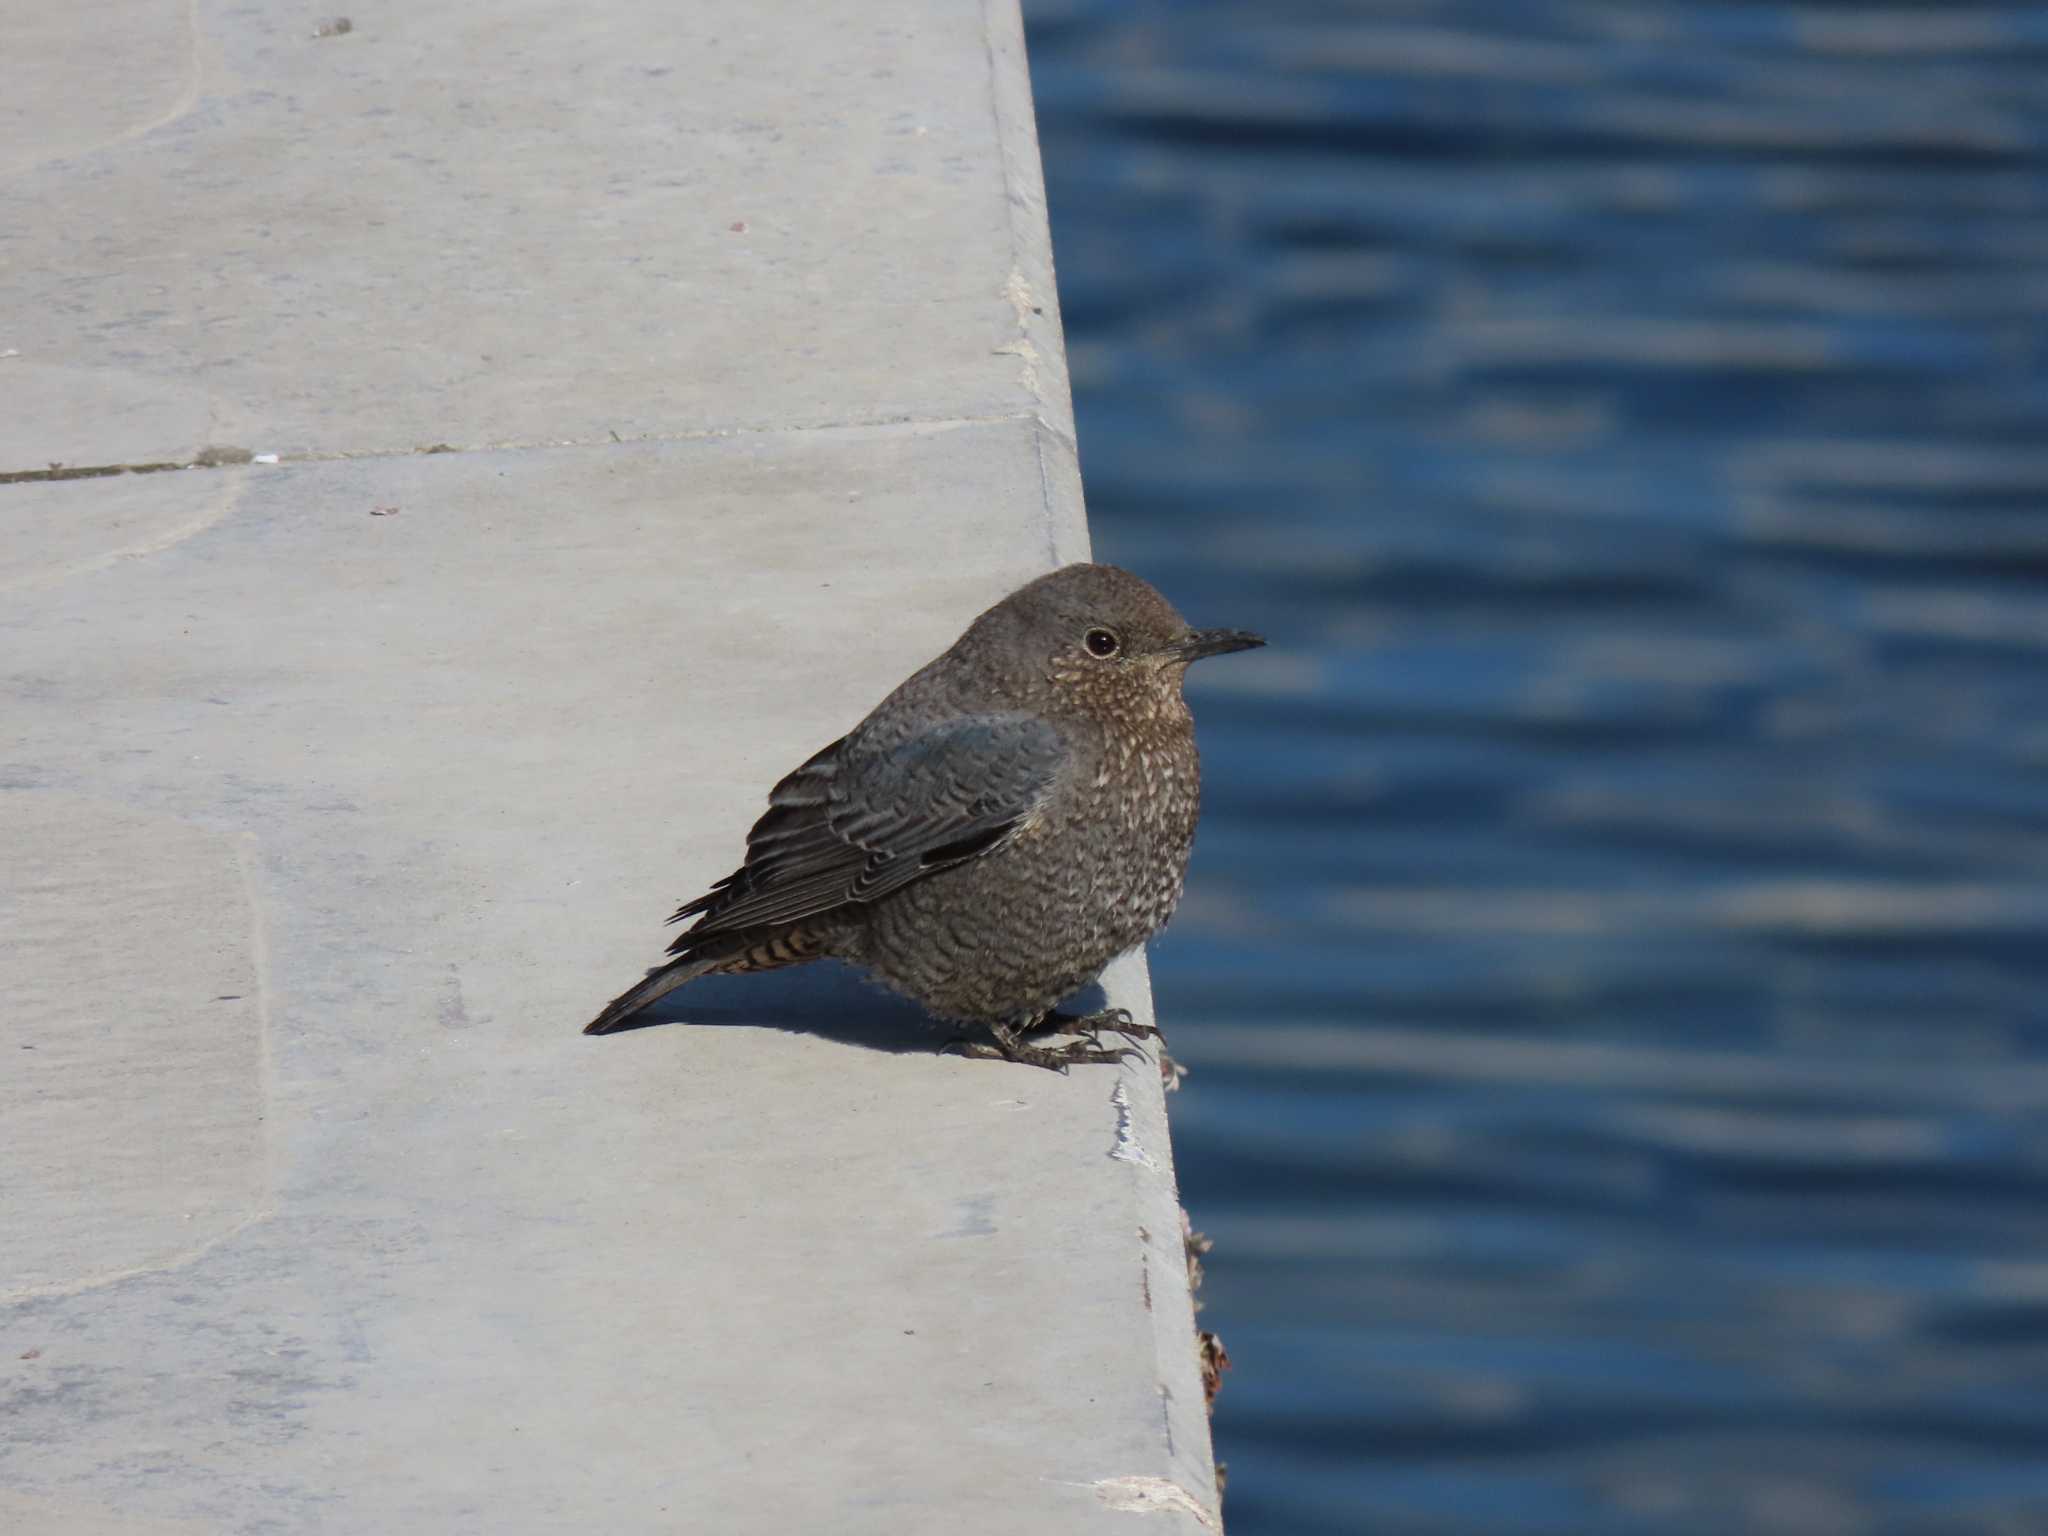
column 592, row 411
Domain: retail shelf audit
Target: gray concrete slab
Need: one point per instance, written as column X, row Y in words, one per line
column 527, row 222
column 331, row 827
column 336, row 793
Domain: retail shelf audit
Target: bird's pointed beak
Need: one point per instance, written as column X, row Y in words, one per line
column 1197, row 643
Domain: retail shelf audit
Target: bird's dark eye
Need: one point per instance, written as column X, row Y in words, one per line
column 1102, row 643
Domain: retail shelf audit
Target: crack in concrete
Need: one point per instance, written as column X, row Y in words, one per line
column 231, row 458
column 85, row 472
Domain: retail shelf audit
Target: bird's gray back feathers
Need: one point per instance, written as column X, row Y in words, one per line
column 867, row 816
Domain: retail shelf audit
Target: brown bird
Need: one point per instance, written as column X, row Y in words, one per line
column 1008, row 821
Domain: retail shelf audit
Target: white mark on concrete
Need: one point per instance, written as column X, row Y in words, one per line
column 1018, row 292
column 1153, row 1496
column 1127, row 1149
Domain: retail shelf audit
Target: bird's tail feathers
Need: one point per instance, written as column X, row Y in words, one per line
column 759, row 949
column 651, row 989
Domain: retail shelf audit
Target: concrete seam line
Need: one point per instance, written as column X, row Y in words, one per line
column 219, row 458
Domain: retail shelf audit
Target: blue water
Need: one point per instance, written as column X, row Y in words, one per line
column 1615, row 970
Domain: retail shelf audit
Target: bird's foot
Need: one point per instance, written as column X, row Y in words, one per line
column 1010, row 1045
column 1093, row 1026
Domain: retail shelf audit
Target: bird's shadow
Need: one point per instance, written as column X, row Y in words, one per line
column 826, row 998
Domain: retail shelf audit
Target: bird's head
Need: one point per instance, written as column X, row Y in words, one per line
column 1100, row 638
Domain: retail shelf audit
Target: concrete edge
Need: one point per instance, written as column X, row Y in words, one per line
column 1031, row 288
column 1138, row 1099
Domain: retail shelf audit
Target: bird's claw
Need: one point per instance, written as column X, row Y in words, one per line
column 1091, row 1027
column 1119, row 1021
column 1009, row 1047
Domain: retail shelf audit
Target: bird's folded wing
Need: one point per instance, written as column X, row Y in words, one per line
column 855, row 823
